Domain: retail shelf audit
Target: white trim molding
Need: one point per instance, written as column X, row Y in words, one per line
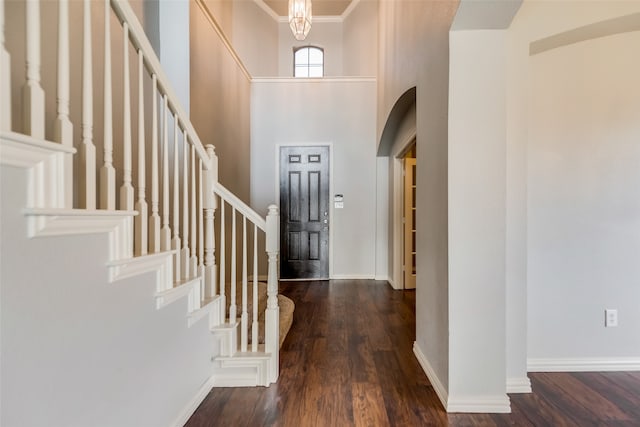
column 590, row 364
column 353, row 277
column 480, row 404
column 519, row 385
column 191, row 407
column 440, row 390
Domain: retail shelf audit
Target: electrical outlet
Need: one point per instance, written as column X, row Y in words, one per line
column 610, row 318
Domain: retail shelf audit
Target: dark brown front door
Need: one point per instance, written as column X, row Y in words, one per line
column 304, row 212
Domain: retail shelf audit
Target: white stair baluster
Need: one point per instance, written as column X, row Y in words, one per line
column 200, row 215
column 126, row 190
column 154, row 219
column 140, row 222
column 5, row 78
column 107, row 171
column 254, row 325
column 193, row 267
column 221, row 265
column 87, row 191
column 165, row 232
column 32, row 93
column 175, row 242
column 185, row 262
column 62, row 127
column 233, row 309
column 244, row 318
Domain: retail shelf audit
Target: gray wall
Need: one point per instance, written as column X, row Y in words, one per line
column 413, row 51
column 220, row 102
column 360, row 40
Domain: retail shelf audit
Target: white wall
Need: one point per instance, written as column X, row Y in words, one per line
column 338, row 112
column 92, row 353
column 174, row 46
column 535, row 21
column 477, row 196
column 327, row 35
column 584, row 210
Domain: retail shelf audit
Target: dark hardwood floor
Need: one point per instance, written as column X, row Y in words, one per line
column 348, row 360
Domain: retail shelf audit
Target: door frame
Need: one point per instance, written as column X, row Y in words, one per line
column 277, row 188
column 398, row 208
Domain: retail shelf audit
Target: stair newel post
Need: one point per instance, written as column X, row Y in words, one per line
column 175, row 242
column 88, row 150
column 209, row 205
column 141, row 227
column 62, row 127
column 126, row 190
column 272, row 315
column 5, row 78
column 154, row 219
column 165, row 232
column 32, row 92
column 184, row 253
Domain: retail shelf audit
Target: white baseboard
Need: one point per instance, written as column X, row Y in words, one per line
column 591, row 364
column 470, row 404
column 518, row 385
column 480, row 404
column 191, row 407
column 352, row 277
column 431, row 374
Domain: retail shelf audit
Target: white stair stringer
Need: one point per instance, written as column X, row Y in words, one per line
column 227, row 334
column 44, row 162
column 241, row 370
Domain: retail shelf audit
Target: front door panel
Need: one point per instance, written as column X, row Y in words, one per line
column 304, row 212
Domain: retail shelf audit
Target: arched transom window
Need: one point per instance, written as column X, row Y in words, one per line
column 308, row 61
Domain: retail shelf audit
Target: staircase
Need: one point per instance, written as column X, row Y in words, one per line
column 114, row 289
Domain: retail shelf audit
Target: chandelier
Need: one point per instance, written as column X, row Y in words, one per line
column 300, row 18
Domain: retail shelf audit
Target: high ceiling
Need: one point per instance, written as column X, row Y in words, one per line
column 320, row 7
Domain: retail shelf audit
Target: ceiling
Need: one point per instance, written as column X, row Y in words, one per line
column 320, row 7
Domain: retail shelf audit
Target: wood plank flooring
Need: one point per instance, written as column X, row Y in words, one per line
column 348, row 361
